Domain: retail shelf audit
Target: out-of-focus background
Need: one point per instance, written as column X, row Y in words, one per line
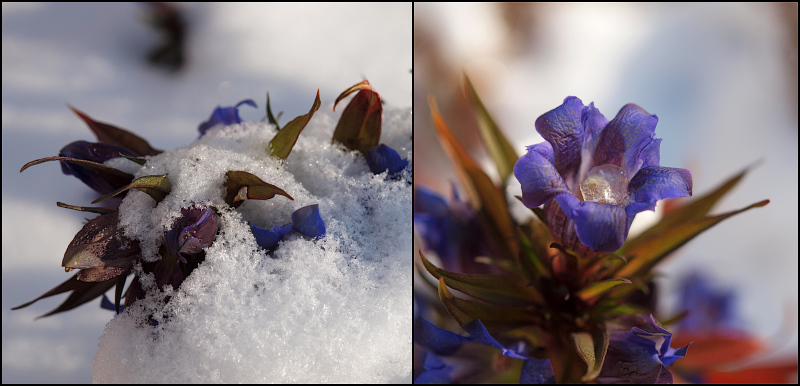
column 110, row 62
column 722, row 79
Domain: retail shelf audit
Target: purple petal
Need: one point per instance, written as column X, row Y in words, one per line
column 268, row 239
column 601, row 227
column 381, row 158
column 654, row 183
column 537, row 371
column 562, row 127
column 478, row 332
column 539, row 178
column 307, row 221
column 224, row 116
column 624, row 139
column 95, row 152
column 437, row 340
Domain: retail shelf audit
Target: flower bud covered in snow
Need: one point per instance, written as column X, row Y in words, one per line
column 194, row 230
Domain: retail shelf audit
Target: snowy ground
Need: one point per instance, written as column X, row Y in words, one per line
column 92, row 56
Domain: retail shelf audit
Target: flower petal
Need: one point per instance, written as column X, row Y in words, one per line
column 537, row 371
column 624, row 139
column 655, row 183
column 307, row 221
column 268, row 239
column 562, row 127
column 477, row 331
column 539, row 178
column 601, row 227
column 381, row 158
column 224, row 116
column 437, row 340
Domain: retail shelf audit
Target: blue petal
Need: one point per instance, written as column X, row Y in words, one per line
column 539, row 178
column 437, row 340
column 269, row 239
column 95, row 152
column 624, row 139
column 562, row 127
column 478, row 332
column 537, row 371
column 307, row 221
column 224, row 116
column 381, row 158
column 654, row 183
column 600, row 226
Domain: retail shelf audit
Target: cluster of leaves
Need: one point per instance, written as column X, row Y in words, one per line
column 563, row 305
column 105, row 257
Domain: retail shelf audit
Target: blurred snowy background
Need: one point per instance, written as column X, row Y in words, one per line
column 722, row 79
column 93, row 56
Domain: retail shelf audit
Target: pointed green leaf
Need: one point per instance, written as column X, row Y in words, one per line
column 284, row 141
column 599, row 288
column 241, row 185
column 138, row 160
column 499, row 148
column 492, row 316
column 156, row 186
column 495, row 289
column 697, row 208
column 647, row 254
column 271, row 118
column 489, row 200
column 113, row 135
column 87, row 208
column 359, row 127
column 592, row 349
column 82, row 292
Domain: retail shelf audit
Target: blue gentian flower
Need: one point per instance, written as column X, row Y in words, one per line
column 194, row 230
column 642, row 355
column 450, row 230
column 709, row 308
column 441, row 344
column 95, row 152
column 381, row 158
column 594, row 176
column 306, row 221
column 224, row 116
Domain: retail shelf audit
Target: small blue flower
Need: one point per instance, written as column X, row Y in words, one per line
column 594, row 176
column 381, row 158
column 268, row 239
column 442, row 343
column 95, row 152
column 194, row 230
column 450, row 230
column 306, row 221
column 224, row 116
column 710, row 309
column 642, row 355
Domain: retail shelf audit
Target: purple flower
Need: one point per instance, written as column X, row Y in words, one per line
column 594, row 176
column 451, row 231
column 95, row 152
column 642, row 355
column 441, row 343
column 710, row 309
column 306, row 220
column 224, row 116
column 381, row 158
column 194, row 230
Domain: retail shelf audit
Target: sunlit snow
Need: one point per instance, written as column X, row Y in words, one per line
column 329, row 310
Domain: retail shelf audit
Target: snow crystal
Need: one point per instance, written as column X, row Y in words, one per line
column 335, row 309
